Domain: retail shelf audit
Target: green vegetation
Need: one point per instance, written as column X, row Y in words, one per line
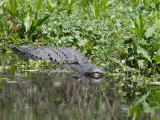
column 122, row 36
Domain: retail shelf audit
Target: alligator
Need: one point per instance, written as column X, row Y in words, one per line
column 71, row 58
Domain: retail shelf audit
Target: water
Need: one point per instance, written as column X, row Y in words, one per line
column 48, row 97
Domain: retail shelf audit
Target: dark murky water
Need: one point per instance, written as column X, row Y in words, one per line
column 44, row 97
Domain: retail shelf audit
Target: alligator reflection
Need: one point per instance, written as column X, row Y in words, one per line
column 74, row 75
column 45, row 97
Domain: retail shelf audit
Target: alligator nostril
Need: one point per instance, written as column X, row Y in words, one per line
column 51, row 58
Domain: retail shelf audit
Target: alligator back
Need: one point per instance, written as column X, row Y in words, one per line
column 57, row 55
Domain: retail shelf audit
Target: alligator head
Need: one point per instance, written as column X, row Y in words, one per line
column 90, row 72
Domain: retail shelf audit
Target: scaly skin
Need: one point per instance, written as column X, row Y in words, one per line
column 71, row 58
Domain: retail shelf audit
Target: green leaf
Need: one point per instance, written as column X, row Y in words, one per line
column 36, row 23
column 15, row 6
column 12, row 72
column 143, row 52
column 39, row 5
column 142, row 99
column 140, row 20
column 93, row 9
column 1, row 3
column 129, row 41
column 134, row 47
column 155, row 1
column 147, row 108
column 97, row 10
column 154, row 83
column 150, row 31
column 27, row 22
column 136, row 108
column 109, row 2
column 156, row 96
column 135, row 111
column 158, row 52
column 157, row 118
column 69, row 1
column 139, row 32
column 157, row 59
column 49, row 6
column 133, row 21
column 141, row 63
column 40, row 21
column 8, row 6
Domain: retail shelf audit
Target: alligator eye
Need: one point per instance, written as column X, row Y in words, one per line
column 76, row 62
column 97, row 75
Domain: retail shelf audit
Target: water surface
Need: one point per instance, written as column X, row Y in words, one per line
column 48, row 97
